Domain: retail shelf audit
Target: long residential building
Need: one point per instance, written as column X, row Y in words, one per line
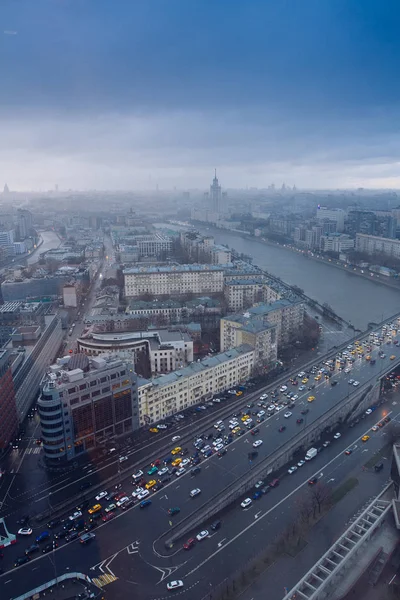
column 371, row 244
column 174, row 280
column 163, row 396
column 243, row 293
column 86, row 404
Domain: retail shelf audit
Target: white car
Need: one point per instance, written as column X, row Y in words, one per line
column 218, row 447
column 257, row 443
column 351, row 381
column 301, row 374
column 287, row 414
column 110, row 507
column 295, row 397
column 162, row 426
column 75, row 515
column 283, row 388
column 186, row 461
column 180, row 471
column 143, row 495
column 260, row 413
column 264, row 397
column 195, row 492
column 347, row 370
column 248, row 422
column 368, row 411
column 292, row 469
column 25, row 531
column 122, row 459
column 136, row 476
column 218, row 424
column 202, row 535
column 217, row 442
column 279, row 407
column 174, row 585
column 246, row 503
column 138, row 491
column 163, row 471
column 101, row 495
column 176, row 438
column 375, row 428
column 356, row 383
column 302, row 388
column 301, row 463
column 337, row 436
column 122, row 501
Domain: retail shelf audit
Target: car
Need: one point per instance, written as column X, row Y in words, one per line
column 255, row 431
column 287, row 414
column 136, row 476
column 304, row 380
column 42, row 537
column 292, row 469
column 369, row 411
column 101, row 495
column 222, row 452
column 302, row 388
column 356, row 383
column 50, row 547
column 301, row 463
column 94, row 509
column 313, row 481
column 127, row 504
column 150, row 484
column 337, row 436
column 310, row 398
column 195, row 492
column 174, row 511
column 216, row 525
column 387, row 419
column 195, row 471
column 392, row 357
column 110, row 508
column 145, row 503
column 259, row 484
column 202, row 535
column 152, row 470
column 176, row 462
column 283, row 388
column 274, row 483
column 176, row 438
column 122, row 501
column 163, row 471
column 174, row 585
column 326, row 444
column 86, row 538
column 25, row 531
column 375, row 428
column 305, row 411
column 162, row 426
column 189, row 544
column 299, row 421
column 72, row 536
column 351, row 381
column 349, row 451
column 21, row 560
column 32, row 549
column 365, row 438
column 236, row 430
column 246, row 503
column 281, row 428
column 143, row 494
column 76, row 515
column 153, row 430
column 176, row 450
column 122, row 459
column 257, row 443
column 180, row 472
column 219, row 447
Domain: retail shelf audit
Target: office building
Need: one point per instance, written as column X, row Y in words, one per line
column 8, row 408
column 174, row 280
column 372, row 222
column 339, row 242
column 370, row 244
column 24, row 223
column 331, row 214
column 86, row 403
column 164, row 396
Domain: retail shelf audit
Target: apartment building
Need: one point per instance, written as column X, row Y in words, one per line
column 86, row 404
column 243, row 293
column 331, row 214
column 173, row 280
column 336, row 242
column 163, row 396
column 371, row 244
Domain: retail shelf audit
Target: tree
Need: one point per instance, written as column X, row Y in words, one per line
column 321, row 496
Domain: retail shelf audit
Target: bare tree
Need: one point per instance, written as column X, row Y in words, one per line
column 304, row 509
column 321, row 495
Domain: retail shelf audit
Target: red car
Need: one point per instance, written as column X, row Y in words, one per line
column 156, row 463
column 108, row 517
column 119, row 496
column 274, row 483
column 189, row 544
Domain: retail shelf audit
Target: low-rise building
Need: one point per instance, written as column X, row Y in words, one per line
column 86, row 404
column 163, row 396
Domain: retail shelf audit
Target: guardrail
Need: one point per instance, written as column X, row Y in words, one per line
column 52, row 583
column 266, row 466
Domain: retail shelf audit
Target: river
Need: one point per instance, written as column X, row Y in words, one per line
column 355, row 299
column 50, row 241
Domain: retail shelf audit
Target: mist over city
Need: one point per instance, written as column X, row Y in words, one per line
column 199, row 300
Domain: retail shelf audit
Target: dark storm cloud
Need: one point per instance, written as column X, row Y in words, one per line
column 95, row 90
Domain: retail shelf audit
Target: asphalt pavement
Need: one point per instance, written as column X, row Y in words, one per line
column 134, row 534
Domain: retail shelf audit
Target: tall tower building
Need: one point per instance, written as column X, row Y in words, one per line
column 216, row 194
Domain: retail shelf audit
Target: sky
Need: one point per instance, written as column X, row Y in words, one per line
column 127, row 94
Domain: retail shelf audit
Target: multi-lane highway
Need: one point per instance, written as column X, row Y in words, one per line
column 137, row 531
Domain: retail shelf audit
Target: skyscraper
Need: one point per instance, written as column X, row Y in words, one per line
column 216, row 195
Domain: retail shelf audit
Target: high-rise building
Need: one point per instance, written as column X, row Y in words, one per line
column 216, row 195
column 86, row 403
column 24, row 221
column 8, row 408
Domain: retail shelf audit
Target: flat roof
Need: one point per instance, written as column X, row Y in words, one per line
column 172, row 269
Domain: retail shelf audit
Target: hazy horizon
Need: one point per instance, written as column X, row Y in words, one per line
column 100, row 96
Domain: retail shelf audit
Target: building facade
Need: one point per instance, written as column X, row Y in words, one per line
column 174, row 280
column 8, row 408
column 339, row 242
column 377, row 245
column 243, row 293
column 331, row 214
column 87, row 406
column 163, row 396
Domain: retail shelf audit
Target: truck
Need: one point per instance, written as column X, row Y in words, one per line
column 311, row 453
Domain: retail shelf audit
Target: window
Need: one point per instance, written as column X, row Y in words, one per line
column 95, row 393
column 83, row 386
column 85, row 397
column 71, row 390
column 93, row 383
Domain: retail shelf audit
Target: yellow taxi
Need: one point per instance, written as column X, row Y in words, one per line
column 365, row 438
column 368, row 357
column 176, row 450
column 236, row 430
column 244, row 418
column 94, row 509
column 392, row 357
column 310, row 398
column 151, row 484
column 153, row 430
column 317, row 377
column 357, row 343
column 239, row 393
column 176, row 462
column 353, row 352
column 305, row 380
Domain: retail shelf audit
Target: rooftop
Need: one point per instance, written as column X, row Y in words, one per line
column 254, row 281
column 172, row 269
column 198, row 367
